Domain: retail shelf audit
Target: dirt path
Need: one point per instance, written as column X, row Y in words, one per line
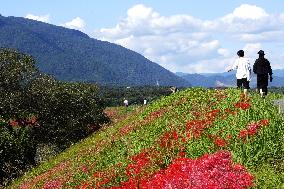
column 280, row 104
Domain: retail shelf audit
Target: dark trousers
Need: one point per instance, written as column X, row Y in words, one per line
column 262, row 82
column 243, row 83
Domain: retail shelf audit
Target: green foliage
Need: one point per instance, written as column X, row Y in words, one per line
column 66, row 112
column 114, row 96
column 44, row 110
column 279, row 90
column 17, row 71
column 17, row 150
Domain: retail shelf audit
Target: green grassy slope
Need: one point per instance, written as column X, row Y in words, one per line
column 189, row 124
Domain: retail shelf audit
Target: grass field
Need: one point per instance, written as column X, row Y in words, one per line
column 196, row 138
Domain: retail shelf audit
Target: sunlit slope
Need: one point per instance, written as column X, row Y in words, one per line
column 194, row 138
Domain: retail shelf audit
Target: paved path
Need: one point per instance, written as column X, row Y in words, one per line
column 280, row 104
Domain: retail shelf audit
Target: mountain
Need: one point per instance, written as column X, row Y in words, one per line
column 71, row 55
column 278, row 72
column 227, row 79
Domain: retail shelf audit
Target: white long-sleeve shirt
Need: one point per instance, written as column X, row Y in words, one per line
column 242, row 65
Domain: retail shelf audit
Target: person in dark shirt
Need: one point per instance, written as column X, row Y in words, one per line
column 262, row 69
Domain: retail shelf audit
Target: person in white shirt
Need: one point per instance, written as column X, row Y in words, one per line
column 125, row 102
column 242, row 65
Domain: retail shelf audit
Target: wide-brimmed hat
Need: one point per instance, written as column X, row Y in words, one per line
column 261, row 52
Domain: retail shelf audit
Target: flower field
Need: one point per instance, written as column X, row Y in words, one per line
column 196, row 138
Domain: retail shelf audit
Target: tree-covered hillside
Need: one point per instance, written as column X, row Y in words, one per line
column 71, row 55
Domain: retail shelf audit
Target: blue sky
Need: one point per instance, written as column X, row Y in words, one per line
column 182, row 35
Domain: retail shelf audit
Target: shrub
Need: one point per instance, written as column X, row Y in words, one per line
column 67, row 112
column 63, row 113
column 17, row 149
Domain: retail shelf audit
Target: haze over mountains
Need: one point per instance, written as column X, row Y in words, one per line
column 71, row 55
column 227, row 79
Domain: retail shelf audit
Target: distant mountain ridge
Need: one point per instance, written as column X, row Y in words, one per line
column 71, row 55
column 227, row 79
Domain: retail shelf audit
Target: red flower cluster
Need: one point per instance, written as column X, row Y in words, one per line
column 253, row 128
column 212, row 114
column 139, row 162
column 196, row 127
column 53, row 184
column 32, row 121
column 229, row 111
column 157, row 113
column 264, row 122
column 168, row 139
column 243, row 105
column 13, row 123
column 126, row 129
column 209, row 171
column 220, row 142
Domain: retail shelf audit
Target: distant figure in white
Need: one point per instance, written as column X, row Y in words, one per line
column 173, row 89
column 242, row 65
column 145, row 102
column 125, row 102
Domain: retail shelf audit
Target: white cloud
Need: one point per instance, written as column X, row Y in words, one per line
column 251, row 49
column 77, row 23
column 142, row 20
column 246, row 11
column 269, row 36
column 140, row 12
column 188, row 44
column 224, row 52
column 43, row 18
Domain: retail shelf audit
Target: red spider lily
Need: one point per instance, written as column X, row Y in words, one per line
column 42, row 177
column 142, row 155
column 220, row 142
column 229, row 136
column 13, row 123
column 243, row 133
column 156, row 113
column 125, row 130
column 168, row 139
column 32, row 120
column 175, row 135
column 98, row 174
column 212, row 113
column 243, row 105
column 196, row 127
column 264, row 122
column 213, row 171
column 181, row 154
column 140, row 161
column 85, row 169
column 183, row 140
column 83, row 186
column 252, row 128
column 188, row 136
column 53, row 184
column 229, row 111
column 103, row 182
column 196, row 114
